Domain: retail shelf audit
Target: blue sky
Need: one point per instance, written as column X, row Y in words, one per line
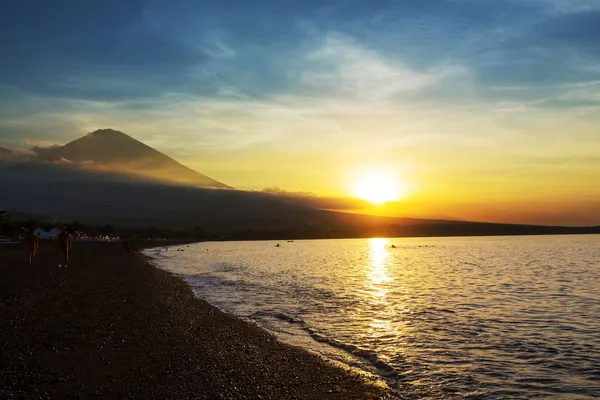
column 504, row 87
column 89, row 49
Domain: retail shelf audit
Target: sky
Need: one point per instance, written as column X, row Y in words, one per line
column 486, row 110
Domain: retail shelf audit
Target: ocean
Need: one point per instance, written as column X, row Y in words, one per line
column 469, row 317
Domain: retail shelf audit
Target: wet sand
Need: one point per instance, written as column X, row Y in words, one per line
column 112, row 326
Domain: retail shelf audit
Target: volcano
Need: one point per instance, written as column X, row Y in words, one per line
column 111, row 150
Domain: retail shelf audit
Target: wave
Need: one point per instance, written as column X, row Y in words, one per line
column 202, row 285
column 278, row 315
column 380, row 367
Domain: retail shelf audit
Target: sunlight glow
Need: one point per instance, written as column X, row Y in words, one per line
column 377, row 188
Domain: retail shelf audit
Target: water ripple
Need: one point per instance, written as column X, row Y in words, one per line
column 473, row 318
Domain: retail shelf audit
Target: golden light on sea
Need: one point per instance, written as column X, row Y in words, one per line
column 378, row 274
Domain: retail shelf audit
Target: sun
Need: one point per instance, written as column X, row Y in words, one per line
column 377, row 188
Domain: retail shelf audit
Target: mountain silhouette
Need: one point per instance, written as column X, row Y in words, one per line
column 111, row 150
column 107, row 177
column 65, row 191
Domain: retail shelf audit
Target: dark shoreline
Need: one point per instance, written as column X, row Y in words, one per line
column 113, row 326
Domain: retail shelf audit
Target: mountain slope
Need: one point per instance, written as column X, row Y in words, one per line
column 61, row 191
column 111, row 150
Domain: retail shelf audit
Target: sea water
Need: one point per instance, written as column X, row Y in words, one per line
column 486, row 317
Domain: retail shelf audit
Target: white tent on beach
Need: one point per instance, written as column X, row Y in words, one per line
column 43, row 235
column 54, row 232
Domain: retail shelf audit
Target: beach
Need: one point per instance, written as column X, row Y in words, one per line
column 113, row 326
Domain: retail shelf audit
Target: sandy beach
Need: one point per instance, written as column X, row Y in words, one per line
column 112, row 326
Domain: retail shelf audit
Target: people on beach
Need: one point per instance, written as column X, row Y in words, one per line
column 31, row 245
column 64, row 247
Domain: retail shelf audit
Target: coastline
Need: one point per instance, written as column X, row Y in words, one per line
column 114, row 326
column 347, row 357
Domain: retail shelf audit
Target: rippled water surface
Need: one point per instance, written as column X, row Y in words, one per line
column 504, row 317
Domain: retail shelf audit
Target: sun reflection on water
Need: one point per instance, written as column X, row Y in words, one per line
column 378, row 281
column 378, row 273
column 383, row 324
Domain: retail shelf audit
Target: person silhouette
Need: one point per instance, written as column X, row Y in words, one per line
column 31, row 245
column 64, row 247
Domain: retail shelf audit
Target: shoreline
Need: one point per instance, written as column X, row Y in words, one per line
column 112, row 325
column 375, row 370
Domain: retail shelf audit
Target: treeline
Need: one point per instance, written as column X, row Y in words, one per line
column 350, row 227
column 11, row 226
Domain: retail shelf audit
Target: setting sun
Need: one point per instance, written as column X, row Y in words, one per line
column 377, row 189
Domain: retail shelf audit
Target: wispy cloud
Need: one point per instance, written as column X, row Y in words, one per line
column 565, row 6
column 10, row 154
column 341, row 66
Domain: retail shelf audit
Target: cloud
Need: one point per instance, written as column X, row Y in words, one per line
column 46, row 153
column 40, row 163
column 146, row 49
column 40, row 155
column 580, row 29
column 10, row 154
column 318, row 202
column 274, row 94
column 214, row 45
column 342, row 66
column 558, row 49
column 563, row 6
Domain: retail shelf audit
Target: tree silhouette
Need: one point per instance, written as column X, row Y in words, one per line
column 4, row 223
column 107, row 230
column 76, row 226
